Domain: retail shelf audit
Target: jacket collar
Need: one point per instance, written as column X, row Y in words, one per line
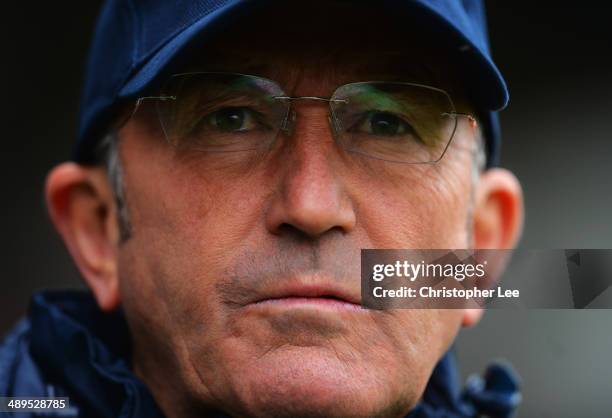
column 88, row 352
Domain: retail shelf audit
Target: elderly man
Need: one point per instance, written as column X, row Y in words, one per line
column 234, row 157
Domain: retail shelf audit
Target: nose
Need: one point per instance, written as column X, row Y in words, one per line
column 311, row 195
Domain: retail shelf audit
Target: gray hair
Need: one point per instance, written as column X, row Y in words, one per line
column 479, row 164
column 108, row 155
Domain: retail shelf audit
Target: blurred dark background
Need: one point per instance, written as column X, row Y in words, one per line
column 557, row 60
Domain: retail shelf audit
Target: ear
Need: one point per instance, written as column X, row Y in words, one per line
column 498, row 210
column 497, row 218
column 82, row 208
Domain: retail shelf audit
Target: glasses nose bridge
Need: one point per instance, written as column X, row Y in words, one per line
column 288, row 123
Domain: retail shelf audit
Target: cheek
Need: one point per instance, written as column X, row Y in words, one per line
column 188, row 223
column 186, row 232
column 427, row 207
column 193, row 211
column 427, row 334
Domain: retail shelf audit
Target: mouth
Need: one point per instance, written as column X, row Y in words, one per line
column 318, row 302
column 301, row 294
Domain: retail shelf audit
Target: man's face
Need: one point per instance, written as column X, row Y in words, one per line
column 239, row 275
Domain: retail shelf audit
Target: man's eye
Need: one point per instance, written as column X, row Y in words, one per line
column 382, row 124
column 232, row 119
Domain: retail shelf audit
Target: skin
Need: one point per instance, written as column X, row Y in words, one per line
column 213, row 233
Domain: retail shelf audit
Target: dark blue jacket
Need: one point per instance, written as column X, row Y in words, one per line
column 68, row 347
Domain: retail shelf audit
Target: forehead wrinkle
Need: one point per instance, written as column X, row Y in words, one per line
column 322, row 70
column 288, row 70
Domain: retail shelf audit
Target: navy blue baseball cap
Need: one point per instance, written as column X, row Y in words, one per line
column 138, row 43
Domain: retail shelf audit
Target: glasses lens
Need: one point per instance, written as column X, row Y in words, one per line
column 220, row 112
column 398, row 122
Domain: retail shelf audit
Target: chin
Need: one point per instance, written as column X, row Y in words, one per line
column 305, row 385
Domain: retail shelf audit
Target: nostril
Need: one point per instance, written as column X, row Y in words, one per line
column 297, row 234
column 304, row 235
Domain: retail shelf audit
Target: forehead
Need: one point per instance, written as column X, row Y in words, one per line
column 335, row 42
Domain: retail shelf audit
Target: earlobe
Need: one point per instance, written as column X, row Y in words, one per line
column 81, row 206
column 498, row 210
column 471, row 316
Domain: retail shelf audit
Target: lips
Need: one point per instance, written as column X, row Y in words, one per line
column 308, row 290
